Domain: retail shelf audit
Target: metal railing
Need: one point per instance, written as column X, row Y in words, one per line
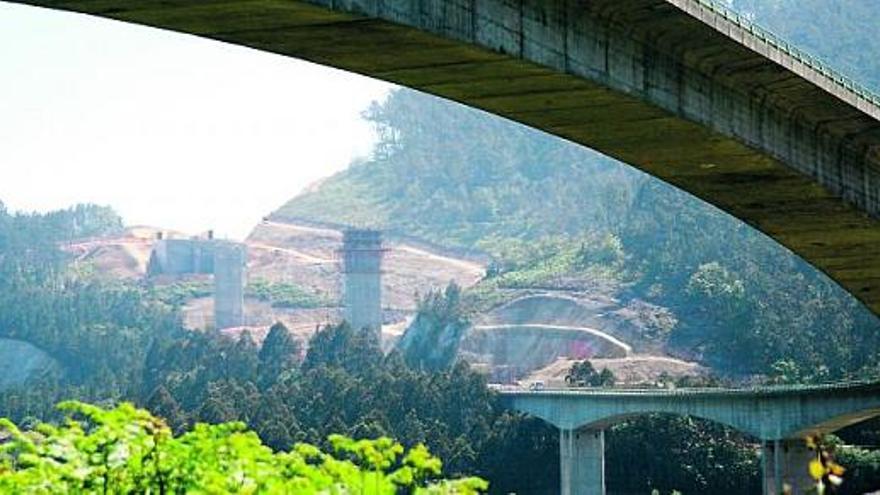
column 800, row 55
column 666, row 392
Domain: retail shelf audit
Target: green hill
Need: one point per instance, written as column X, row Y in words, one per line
column 550, row 212
column 553, row 214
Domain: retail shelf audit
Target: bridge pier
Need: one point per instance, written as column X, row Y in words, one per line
column 785, row 462
column 582, row 462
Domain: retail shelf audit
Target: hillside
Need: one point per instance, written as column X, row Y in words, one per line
column 294, row 278
column 21, row 362
column 741, row 303
column 284, row 259
column 308, row 255
column 123, row 256
column 558, row 217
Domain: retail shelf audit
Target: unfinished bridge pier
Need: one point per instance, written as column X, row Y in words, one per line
column 778, row 417
column 226, row 260
column 230, row 260
column 362, row 253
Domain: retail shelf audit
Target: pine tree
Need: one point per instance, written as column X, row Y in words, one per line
column 280, row 353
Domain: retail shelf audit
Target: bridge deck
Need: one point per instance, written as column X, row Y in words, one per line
column 767, row 413
column 869, row 387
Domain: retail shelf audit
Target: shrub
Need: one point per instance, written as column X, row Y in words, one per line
column 127, row 450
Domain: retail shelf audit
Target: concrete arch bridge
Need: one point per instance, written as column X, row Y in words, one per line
column 779, row 417
column 682, row 89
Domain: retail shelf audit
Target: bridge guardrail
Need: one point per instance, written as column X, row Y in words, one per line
column 672, row 392
column 781, row 44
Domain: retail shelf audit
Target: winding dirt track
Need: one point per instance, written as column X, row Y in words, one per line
column 304, row 257
column 627, row 349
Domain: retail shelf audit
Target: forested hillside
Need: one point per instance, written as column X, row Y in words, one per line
column 551, row 212
column 118, row 340
column 96, row 330
column 554, row 214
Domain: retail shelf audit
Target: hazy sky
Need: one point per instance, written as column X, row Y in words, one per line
column 171, row 130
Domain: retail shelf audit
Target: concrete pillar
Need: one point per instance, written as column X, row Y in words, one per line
column 230, row 261
column 786, row 462
column 582, row 462
column 362, row 263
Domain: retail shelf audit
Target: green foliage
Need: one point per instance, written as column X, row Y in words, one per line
column 582, row 374
column 862, row 469
column 680, row 453
column 181, row 291
column 278, row 355
column 454, row 175
column 84, row 220
column 285, row 295
column 127, row 450
column 786, row 372
column 711, row 280
column 344, row 385
column 560, row 262
column 278, row 294
column 98, row 331
column 431, row 341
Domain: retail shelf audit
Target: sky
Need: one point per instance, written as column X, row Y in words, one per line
column 170, row 130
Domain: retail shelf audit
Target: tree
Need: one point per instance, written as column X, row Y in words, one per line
column 606, row 378
column 279, row 353
column 127, row 450
column 341, row 346
column 582, row 374
column 162, row 403
column 431, row 341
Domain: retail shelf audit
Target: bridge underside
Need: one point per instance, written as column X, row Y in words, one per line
column 638, row 80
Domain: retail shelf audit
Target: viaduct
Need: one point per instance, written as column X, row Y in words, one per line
column 684, row 90
column 779, row 417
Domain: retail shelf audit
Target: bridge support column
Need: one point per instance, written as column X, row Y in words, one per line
column 582, row 462
column 785, row 462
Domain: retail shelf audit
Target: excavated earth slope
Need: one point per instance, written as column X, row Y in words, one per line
column 539, row 336
column 302, row 255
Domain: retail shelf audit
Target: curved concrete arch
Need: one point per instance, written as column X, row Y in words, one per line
column 606, row 423
column 828, row 425
column 676, row 88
